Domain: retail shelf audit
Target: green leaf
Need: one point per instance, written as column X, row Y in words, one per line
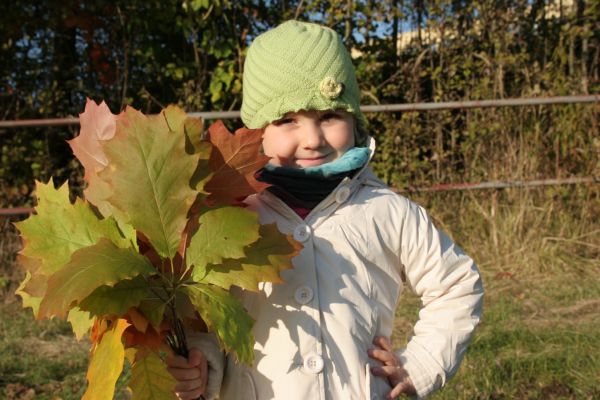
column 101, row 264
column 223, row 233
column 194, row 130
column 224, row 315
column 60, row 228
column 264, row 261
column 81, row 322
column 27, row 299
column 150, row 379
column 154, row 310
column 117, row 299
column 150, row 171
column 106, row 364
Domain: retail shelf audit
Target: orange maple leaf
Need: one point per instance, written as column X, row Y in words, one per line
column 234, row 161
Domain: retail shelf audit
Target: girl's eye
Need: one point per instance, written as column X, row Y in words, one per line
column 328, row 116
column 283, row 121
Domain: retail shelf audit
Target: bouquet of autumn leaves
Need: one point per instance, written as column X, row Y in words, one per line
column 155, row 246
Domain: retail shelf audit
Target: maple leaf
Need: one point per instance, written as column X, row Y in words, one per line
column 150, row 175
column 59, row 228
column 106, row 364
column 225, row 316
column 90, row 267
column 234, row 161
column 223, row 233
column 263, row 262
column 150, row 379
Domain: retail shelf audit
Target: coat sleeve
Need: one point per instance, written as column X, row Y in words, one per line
column 208, row 344
column 451, row 292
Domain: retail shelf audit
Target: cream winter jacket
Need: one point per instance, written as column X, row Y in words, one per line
column 361, row 244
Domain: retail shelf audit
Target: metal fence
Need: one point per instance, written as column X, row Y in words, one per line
column 439, row 106
column 414, row 107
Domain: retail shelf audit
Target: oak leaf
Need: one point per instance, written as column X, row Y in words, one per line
column 117, row 299
column 150, row 379
column 97, row 125
column 106, row 363
column 263, row 262
column 59, row 228
column 150, row 173
column 27, row 299
column 223, row 233
column 225, row 316
column 234, row 161
column 81, row 322
column 89, row 268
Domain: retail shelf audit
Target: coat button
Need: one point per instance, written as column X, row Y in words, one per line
column 303, row 295
column 313, row 363
column 342, row 193
column 302, row 233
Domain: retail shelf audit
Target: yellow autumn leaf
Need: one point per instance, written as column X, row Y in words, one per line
column 106, row 364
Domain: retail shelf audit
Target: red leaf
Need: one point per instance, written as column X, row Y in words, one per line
column 234, row 161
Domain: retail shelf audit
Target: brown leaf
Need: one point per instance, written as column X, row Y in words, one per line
column 234, row 161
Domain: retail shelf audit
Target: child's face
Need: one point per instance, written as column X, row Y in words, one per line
column 309, row 138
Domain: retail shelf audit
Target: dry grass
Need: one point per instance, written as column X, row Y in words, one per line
column 539, row 254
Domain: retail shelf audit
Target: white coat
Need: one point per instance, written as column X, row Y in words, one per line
column 360, row 245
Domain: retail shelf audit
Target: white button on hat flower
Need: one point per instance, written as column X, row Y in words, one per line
column 331, row 88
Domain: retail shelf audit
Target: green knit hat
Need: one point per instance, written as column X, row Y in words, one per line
column 299, row 66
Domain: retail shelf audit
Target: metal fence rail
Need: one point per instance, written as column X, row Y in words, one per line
column 16, row 211
column 450, row 105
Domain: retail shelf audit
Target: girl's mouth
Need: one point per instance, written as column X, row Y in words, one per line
column 311, row 161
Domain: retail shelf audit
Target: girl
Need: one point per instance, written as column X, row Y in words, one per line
column 324, row 333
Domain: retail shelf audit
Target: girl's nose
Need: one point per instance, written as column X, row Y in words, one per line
column 313, row 136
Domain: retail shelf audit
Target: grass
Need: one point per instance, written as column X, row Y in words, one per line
column 42, row 359
column 539, row 254
column 535, row 342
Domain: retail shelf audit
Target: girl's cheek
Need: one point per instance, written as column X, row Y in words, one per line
column 342, row 141
column 280, row 148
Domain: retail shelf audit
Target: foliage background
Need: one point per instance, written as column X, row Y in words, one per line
column 538, row 249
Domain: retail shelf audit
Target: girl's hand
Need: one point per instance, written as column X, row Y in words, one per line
column 391, row 369
column 191, row 374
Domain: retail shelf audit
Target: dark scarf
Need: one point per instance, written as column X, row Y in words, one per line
column 307, row 187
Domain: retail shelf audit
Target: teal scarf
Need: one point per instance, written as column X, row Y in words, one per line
column 307, row 187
